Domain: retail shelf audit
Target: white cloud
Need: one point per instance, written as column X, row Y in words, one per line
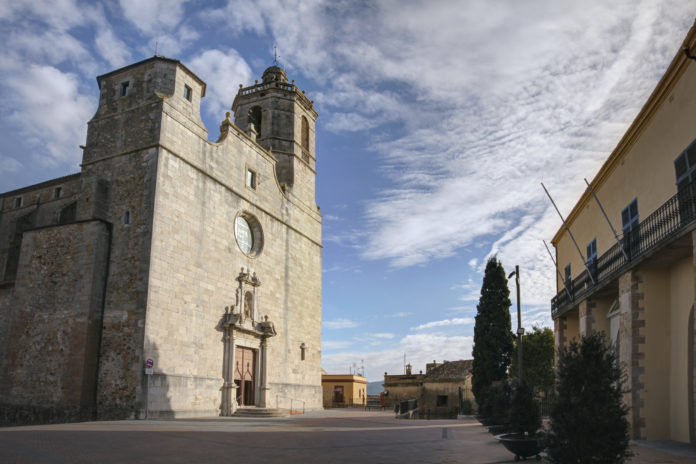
column 48, row 107
column 419, row 349
column 340, row 323
column 240, row 16
column 153, row 16
column 335, row 344
column 445, row 323
column 381, row 335
column 111, row 48
column 222, row 71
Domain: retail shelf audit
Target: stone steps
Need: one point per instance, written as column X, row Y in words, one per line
column 260, row 412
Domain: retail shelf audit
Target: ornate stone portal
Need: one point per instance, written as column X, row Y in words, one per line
column 242, row 327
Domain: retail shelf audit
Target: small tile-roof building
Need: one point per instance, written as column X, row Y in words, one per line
column 439, row 391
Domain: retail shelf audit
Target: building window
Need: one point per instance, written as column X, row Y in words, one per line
column 242, row 231
column 629, row 224
column 251, row 179
column 18, row 202
column 685, row 167
column 592, row 258
column 124, row 88
column 126, row 218
column 441, row 400
column 58, row 192
column 248, row 233
column 568, row 276
column 188, row 92
column 305, row 133
column 303, row 349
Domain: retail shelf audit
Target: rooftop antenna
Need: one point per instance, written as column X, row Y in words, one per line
column 275, row 55
column 156, row 43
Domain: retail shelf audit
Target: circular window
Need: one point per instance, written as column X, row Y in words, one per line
column 247, row 231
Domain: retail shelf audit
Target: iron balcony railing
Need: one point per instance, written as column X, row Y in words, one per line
column 663, row 224
column 265, row 86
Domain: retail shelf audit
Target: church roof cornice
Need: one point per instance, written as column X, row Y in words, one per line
column 152, row 59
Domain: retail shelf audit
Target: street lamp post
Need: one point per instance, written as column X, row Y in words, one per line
column 520, row 329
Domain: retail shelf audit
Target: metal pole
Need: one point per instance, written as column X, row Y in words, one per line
column 558, row 270
column 520, row 331
column 589, row 273
column 618, row 240
column 147, row 397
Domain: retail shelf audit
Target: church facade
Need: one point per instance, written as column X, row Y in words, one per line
column 200, row 259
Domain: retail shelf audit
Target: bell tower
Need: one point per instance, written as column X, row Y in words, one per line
column 282, row 119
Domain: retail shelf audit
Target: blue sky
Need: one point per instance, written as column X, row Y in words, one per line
column 438, row 121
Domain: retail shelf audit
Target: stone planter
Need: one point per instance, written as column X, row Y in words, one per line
column 521, row 447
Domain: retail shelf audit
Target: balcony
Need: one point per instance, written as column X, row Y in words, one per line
column 668, row 223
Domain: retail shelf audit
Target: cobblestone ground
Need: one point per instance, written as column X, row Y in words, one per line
column 319, row 437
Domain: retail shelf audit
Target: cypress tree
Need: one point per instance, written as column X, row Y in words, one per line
column 493, row 340
column 588, row 419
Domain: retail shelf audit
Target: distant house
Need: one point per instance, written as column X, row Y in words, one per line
column 439, row 392
column 342, row 390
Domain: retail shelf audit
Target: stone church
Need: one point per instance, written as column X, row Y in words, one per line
column 199, row 258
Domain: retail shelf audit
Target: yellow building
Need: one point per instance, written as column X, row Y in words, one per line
column 638, row 286
column 344, row 390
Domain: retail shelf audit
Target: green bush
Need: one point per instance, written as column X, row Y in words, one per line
column 466, row 408
column 496, row 403
column 588, row 418
column 523, row 416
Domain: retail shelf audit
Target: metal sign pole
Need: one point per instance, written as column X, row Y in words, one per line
column 589, row 273
column 557, row 270
column 147, row 397
column 618, row 240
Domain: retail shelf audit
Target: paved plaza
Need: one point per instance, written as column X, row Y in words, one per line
column 333, row 436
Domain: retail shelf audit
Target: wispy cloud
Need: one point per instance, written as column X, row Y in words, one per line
column 419, row 349
column 482, row 130
column 399, row 314
column 381, row 335
column 340, row 323
column 445, row 323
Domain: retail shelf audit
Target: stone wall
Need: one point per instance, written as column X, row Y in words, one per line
column 54, row 324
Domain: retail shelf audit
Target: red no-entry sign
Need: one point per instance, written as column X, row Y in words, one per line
column 149, row 362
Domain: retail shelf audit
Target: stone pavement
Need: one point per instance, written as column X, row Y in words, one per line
column 334, row 436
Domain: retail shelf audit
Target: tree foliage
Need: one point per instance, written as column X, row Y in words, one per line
column 588, row 419
column 492, row 336
column 537, row 359
column 524, row 415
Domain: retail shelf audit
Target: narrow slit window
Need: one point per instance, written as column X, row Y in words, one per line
column 251, row 179
column 18, row 202
column 124, row 88
column 303, row 350
column 126, row 218
column 58, row 192
column 188, row 92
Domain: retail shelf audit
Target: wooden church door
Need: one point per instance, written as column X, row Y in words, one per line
column 245, row 367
